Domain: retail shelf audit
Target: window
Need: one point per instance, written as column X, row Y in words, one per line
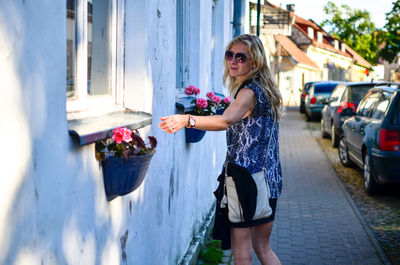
column 94, row 51
column 396, row 113
column 381, row 106
column 336, row 95
column 336, row 44
column 380, row 109
column 366, row 104
column 182, row 27
column 310, row 32
column 356, row 93
column 319, row 36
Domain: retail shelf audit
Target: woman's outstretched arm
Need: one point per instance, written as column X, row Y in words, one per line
column 240, row 108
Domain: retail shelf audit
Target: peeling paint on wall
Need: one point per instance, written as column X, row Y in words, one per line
column 123, row 240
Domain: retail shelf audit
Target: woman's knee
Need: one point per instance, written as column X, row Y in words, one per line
column 243, row 258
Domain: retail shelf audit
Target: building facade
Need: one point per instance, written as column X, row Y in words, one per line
column 68, row 62
column 300, row 51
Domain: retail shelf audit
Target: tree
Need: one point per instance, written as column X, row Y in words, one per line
column 391, row 37
column 354, row 27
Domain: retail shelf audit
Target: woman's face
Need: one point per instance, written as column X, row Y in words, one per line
column 238, row 60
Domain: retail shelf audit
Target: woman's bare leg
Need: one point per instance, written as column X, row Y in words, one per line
column 242, row 248
column 261, row 242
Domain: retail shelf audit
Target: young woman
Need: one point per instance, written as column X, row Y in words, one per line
column 249, row 124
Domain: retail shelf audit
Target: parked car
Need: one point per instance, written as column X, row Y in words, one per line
column 317, row 97
column 303, row 94
column 341, row 105
column 371, row 138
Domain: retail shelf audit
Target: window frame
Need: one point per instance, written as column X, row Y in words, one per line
column 83, row 104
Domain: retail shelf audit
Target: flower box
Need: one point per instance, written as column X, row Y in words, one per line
column 220, row 111
column 194, row 135
column 125, row 159
column 124, row 175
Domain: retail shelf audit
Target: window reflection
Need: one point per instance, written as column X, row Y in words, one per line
column 98, row 46
column 71, row 56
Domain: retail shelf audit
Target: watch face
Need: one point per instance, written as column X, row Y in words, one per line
column 192, row 121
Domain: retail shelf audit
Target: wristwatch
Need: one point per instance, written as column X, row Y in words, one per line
column 191, row 122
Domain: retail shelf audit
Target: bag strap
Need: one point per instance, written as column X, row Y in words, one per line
column 266, row 154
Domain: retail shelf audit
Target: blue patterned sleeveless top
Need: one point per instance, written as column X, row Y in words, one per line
column 248, row 139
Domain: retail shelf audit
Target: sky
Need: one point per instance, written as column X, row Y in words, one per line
column 313, row 9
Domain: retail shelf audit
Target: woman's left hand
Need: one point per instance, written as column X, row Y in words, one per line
column 173, row 123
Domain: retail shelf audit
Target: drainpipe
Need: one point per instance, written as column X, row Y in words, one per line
column 237, row 17
column 258, row 17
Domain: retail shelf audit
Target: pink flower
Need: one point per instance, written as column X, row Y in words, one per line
column 192, row 90
column 127, row 135
column 216, row 99
column 122, row 134
column 227, row 100
column 210, row 94
column 201, row 102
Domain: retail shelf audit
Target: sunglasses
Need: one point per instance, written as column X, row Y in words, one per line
column 239, row 57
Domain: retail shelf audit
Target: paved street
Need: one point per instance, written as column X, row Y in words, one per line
column 317, row 222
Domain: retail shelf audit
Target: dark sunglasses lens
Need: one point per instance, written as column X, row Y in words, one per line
column 240, row 57
column 229, row 55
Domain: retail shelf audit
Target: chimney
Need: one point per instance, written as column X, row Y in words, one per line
column 290, row 7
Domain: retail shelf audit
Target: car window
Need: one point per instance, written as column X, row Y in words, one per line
column 361, row 107
column 366, row 105
column 325, row 88
column 337, row 93
column 380, row 107
column 396, row 113
column 356, row 93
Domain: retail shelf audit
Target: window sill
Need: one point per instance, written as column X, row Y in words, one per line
column 89, row 130
column 184, row 104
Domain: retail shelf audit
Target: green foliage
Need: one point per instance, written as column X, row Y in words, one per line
column 354, row 27
column 391, row 37
column 212, row 255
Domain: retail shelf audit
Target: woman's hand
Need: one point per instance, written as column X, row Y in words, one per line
column 173, row 123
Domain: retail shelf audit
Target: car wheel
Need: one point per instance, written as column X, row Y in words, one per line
column 334, row 136
column 344, row 154
column 324, row 134
column 370, row 184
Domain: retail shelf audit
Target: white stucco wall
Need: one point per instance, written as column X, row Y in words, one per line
column 53, row 208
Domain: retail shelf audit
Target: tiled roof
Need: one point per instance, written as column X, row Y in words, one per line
column 326, row 44
column 359, row 60
column 300, row 20
column 294, row 51
column 300, row 56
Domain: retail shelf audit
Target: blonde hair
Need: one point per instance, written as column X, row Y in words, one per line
column 260, row 72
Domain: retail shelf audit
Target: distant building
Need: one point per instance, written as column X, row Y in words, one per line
column 301, row 51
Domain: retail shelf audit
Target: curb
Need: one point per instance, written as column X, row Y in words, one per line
column 360, row 217
column 192, row 254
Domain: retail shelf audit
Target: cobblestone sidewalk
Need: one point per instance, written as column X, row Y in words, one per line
column 317, row 222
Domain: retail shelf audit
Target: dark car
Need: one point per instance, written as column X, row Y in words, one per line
column 371, row 138
column 303, row 94
column 317, row 97
column 341, row 105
